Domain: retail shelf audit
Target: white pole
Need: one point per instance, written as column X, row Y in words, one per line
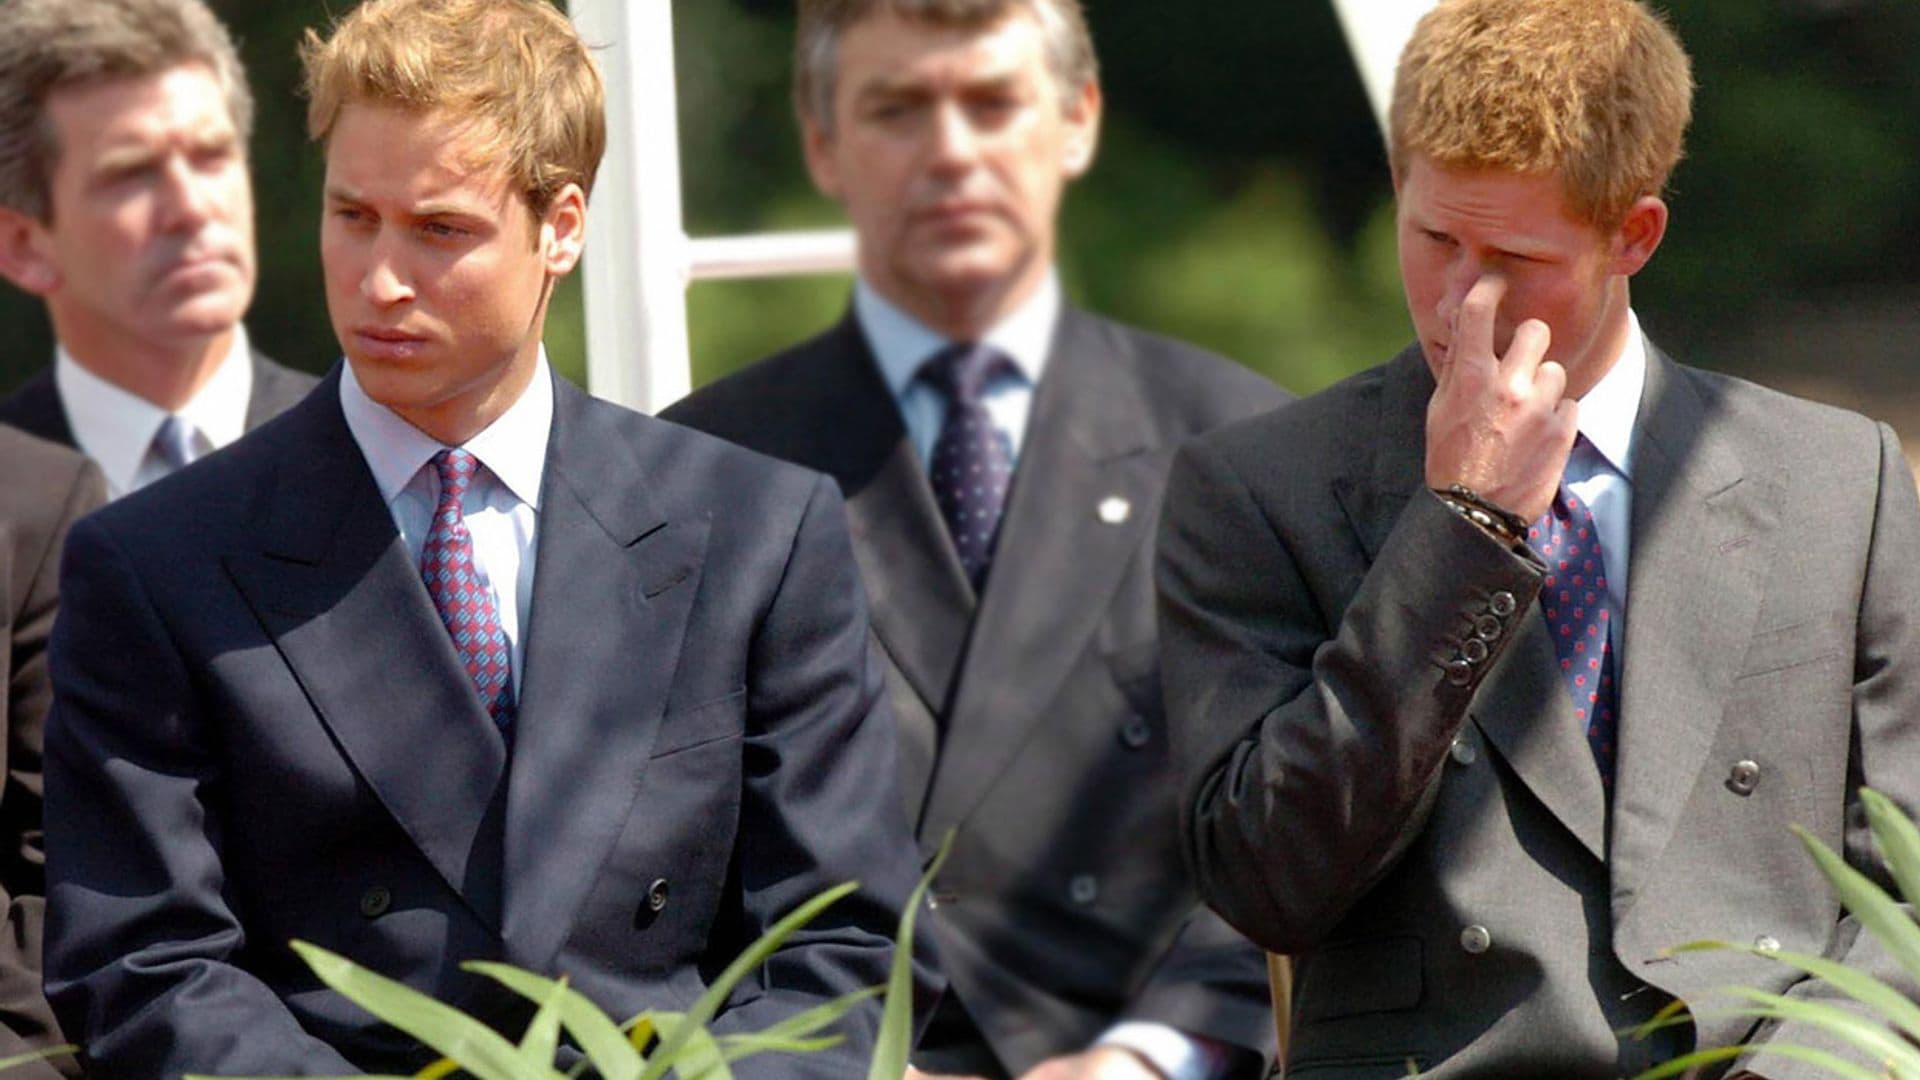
column 636, row 255
column 1376, row 32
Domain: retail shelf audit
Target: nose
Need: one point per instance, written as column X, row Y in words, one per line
column 382, row 283
column 955, row 142
column 186, row 195
column 1462, row 271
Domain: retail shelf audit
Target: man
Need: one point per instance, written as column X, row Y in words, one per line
column 627, row 759
column 1015, row 613
column 125, row 206
column 46, row 488
column 1501, row 668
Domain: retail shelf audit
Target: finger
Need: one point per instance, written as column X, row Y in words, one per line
column 1473, row 326
column 1550, row 382
column 1527, row 350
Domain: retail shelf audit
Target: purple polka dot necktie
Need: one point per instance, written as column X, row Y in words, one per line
column 1580, row 614
column 972, row 458
column 464, row 602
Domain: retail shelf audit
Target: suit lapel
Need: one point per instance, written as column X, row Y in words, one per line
column 920, row 599
column 613, row 585
column 1693, row 592
column 1057, row 562
column 334, row 587
column 1521, row 707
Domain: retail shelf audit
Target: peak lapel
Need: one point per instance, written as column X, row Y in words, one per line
column 1058, row 559
column 1693, row 593
column 612, row 588
column 334, row 587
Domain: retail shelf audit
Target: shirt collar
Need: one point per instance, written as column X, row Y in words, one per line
column 901, row 343
column 116, row 426
column 1608, row 411
column 513, row 447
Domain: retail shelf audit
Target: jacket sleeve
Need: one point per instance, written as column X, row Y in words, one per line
column 142, row 946
column 821, row 804
column 1885, row 745
column 1309, row 731
column 26, row 1021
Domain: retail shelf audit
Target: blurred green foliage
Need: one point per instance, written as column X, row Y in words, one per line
column 1241, row 198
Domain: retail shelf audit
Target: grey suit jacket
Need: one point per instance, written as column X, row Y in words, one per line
column 36, row 407
column 1441, row 857
column 1030, row 717
column 261, row 731
column 43, row 489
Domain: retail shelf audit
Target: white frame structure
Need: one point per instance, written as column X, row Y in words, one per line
column 640, row 260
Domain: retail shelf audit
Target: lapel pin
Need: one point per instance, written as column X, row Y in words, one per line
column 1115, row 510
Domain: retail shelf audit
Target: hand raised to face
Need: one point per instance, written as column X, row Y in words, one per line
column 1500, row 425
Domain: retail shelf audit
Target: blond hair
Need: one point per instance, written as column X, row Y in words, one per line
column 822, row 23
column 514, row 68
column 1598, row 92
column 50, row 45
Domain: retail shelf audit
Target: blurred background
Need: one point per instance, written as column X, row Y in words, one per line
column 1241, row 198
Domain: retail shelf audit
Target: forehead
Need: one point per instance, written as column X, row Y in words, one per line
column 387, row 153
column 187, row 99
column 1495, row 200
column 886, row 50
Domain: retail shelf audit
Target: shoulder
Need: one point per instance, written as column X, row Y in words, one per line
column 34, row 407
column 1194, row 388
column 798, row 381
column 1326, row 428
column 1788, row 433
column 47, row 483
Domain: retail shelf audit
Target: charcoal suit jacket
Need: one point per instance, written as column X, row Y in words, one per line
column 261, row 731
column 44, row 488
column 1030, row 717
column 1383, row 771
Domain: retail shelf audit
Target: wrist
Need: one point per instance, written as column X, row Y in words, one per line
column 1495, row 520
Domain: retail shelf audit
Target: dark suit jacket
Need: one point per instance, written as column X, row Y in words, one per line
column 261, row 731
column 43, row 489
column 36, row 407
column 1442, row 858
column 1030, row 718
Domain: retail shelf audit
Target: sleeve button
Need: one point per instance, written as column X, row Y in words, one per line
column 1502, row 603
column 1462, row 751
column 1487, row 628
column 1475, row 939
column 1136, row 733
column 1083, row 889
column 657, row 895
column 1474, row 651
column 1459, row 672
column 1744, row 777
column 375, row 901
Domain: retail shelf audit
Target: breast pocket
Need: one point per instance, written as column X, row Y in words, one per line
column 697, row 725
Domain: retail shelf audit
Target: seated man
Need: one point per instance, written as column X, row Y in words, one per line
column 1501, row 668
column 452, row 661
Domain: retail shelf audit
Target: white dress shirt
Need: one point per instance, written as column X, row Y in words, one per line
column 501, row 506
column 115, row 427
column 901, row 343
column 1600, row 470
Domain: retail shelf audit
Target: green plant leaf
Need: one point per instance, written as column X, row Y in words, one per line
column 1832, row 1063
column 895, row 1040
column 676, row 1035
column 439, row 1070
column 735, row 1047
column 1884, row 1001
column 1868, row 1037
column 606, row 1047
column 697, row 1057
column 479, row 1049
column 1899, row 841
column 38, row 1055
column 1883, row 917
column 542, row 1038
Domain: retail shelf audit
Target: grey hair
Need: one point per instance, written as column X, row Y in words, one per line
column 48, row 45
column 1063, row 28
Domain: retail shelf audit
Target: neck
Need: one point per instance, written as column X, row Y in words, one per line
column 965, row 314
column 166, row 375
column 1607, row 345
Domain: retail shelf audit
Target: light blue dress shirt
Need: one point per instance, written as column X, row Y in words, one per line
column 1600, row 469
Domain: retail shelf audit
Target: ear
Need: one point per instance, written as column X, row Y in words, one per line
column 563, row 230
column 818, row 144
column 1639, row 235
column 23, row 253
column 1081, row 113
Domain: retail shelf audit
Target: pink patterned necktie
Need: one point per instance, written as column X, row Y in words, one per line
column 1580, row 614
column 464, row 602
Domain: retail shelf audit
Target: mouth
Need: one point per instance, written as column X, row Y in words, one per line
column 383, row 343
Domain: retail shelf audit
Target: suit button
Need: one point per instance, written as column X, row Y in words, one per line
column 1767, row 943
column 1459, row 673
column 1487, row 628
column 1462, row 751
column 1474, row 651
column 1475, row 939
column 1744, row 777
column 1502, row 603
column 375, row 901
column 1084, row 889
column 1136, row 733
column 657, row 895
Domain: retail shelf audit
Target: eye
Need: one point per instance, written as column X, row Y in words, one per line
column 441, row 230
column 1437, row 237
